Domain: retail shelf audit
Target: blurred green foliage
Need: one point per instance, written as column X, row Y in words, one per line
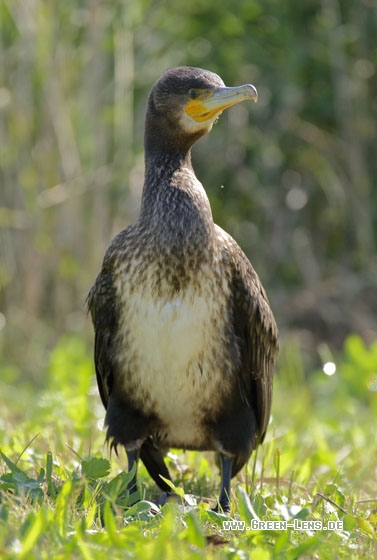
column 293, row 178
column 70, row 377
column 358, row 371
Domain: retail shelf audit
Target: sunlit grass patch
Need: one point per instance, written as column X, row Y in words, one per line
column 61, row 493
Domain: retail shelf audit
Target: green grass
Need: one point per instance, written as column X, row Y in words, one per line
column 61, row 494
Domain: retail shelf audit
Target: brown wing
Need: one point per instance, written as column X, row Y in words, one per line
column 101, row 304
column 256, row 329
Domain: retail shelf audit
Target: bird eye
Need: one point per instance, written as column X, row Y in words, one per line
column 193, row 94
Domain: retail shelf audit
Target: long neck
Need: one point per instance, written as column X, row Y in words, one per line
column 174, row 203
column 161, row 166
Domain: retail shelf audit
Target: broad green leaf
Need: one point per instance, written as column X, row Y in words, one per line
column 246, row 509
column 96, row 467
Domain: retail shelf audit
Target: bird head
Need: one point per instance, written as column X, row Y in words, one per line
column 184, row 104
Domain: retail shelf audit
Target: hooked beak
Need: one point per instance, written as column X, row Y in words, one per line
column 210, row 103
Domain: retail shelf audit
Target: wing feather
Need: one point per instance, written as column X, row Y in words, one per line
column 101, row 304
column 256, row 329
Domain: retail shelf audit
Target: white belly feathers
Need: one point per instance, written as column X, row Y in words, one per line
column 173, row 344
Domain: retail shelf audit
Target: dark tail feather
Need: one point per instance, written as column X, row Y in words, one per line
column 238, row 464
column 154, row 462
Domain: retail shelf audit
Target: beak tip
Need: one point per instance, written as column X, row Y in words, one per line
column 253, row 93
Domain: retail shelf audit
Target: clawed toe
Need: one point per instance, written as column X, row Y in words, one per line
column 222, row 508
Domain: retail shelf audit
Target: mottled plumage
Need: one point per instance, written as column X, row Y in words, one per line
column 185, row 341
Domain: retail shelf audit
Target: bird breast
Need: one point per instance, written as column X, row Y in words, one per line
column 177, row 358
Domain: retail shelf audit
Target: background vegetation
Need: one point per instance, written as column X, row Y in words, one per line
column 293, row 179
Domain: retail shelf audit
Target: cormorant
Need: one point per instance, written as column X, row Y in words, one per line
column 185, row 340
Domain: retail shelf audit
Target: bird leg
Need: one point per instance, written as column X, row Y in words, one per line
column 133, row 458
column 226, row 475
